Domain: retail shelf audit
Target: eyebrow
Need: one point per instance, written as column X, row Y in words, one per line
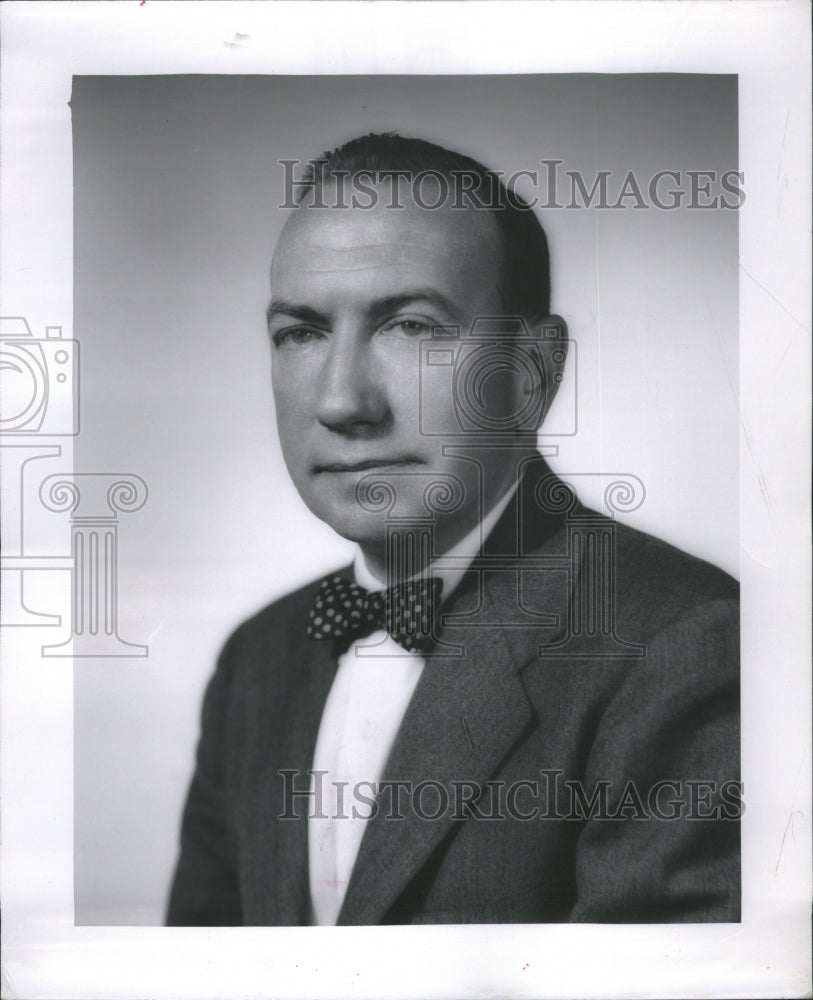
column 282, row 307
column 387, row 304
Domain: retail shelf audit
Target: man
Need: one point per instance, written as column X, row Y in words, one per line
column 510, row 709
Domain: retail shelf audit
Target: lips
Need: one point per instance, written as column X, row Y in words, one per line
column 365, row 465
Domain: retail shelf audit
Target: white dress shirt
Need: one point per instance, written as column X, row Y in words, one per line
column 374, row 683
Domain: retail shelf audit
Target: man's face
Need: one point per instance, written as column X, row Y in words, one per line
column 354, row 292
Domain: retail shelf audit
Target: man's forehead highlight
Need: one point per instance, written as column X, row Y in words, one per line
column 336, row 240
column 315, row 256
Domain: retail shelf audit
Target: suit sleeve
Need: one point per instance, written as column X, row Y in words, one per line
column 205, row 890
column 667, row 848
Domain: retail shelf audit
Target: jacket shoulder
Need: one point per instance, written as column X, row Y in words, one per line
column 279, row 625
column 660, row 582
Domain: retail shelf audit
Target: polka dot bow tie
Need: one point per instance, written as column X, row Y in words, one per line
column 343, row 610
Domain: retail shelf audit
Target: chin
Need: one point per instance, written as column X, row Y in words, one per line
column 388, row 508
column 353, row 523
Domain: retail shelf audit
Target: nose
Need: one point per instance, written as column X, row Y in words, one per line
column 352, row 397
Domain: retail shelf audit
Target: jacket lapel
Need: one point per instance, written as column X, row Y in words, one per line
column 464, row 717
column 467, row 712
column 289, row 895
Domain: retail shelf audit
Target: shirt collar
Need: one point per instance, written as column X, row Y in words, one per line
column 454, row 563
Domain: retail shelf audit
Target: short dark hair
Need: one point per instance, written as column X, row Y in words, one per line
column 525, row 284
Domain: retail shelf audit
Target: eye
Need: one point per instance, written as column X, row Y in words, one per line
column 411, row 326
column 296, row 336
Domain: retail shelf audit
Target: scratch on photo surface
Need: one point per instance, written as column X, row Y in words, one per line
column 771, row 296
column 721, row 346
column 789, row 826
column 763, row 486
column 782, row 147
column 763, row 489
column 791, row 817
column 754, row 557
column 154, row 633
column 788, row 346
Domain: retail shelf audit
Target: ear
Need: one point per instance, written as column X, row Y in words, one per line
column 551, row 341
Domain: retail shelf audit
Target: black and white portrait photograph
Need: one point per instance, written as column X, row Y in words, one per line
column 406, row 488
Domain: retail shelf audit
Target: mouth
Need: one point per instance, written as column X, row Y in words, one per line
column 367, row 465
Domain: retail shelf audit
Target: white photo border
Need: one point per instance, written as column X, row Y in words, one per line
column 767, row 45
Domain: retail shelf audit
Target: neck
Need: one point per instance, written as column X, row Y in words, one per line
column 411, row 551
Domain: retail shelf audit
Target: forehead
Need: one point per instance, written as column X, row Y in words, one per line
column 357, row 248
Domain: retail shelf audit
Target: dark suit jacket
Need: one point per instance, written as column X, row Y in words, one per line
column 552, row 678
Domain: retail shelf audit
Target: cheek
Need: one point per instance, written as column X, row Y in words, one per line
column 293, row 374
column 436, row 406
column 291, row 409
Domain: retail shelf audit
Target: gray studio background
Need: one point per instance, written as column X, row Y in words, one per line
column 176, row 187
